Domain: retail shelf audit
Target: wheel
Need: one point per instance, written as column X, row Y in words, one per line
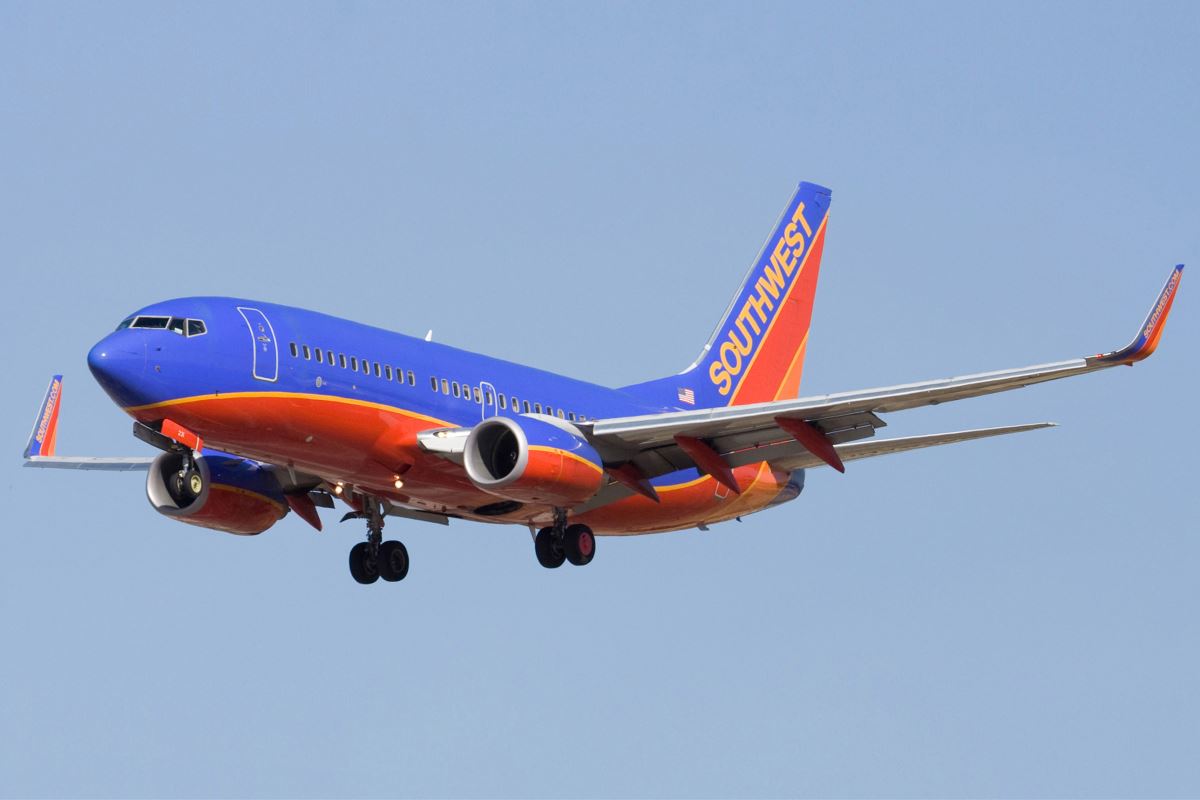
column 579, row 544
column 393, row 561
column 193, row 482
column 363, row 565
column 548, row 549
column 177, row 489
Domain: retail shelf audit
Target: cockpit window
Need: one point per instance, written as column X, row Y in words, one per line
column 184, row 327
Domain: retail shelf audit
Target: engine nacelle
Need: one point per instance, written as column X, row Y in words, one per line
column 236, row 495
column 532, row 461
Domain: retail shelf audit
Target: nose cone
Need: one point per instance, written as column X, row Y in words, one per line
column 119, row 364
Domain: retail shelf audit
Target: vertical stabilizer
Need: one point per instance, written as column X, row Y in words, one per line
column 757, row 352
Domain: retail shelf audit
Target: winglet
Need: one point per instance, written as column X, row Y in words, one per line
column 45, row 426
column 1147, row 337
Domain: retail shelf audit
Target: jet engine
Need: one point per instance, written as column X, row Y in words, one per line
column 218, row 491
column 531, row 460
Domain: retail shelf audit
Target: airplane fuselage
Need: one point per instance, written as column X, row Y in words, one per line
column 346, row 401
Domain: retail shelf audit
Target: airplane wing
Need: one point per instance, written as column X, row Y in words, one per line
column 39, row 452
column 815, row 430
column 118, row 464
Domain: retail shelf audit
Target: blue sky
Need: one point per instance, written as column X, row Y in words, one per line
column 581, row 188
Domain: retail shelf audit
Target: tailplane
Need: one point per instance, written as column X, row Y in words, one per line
column 757, row 352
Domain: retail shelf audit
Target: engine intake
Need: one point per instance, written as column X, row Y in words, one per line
column 221, row 492
column 530, row 460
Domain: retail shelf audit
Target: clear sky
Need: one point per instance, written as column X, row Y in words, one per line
column 581, row 188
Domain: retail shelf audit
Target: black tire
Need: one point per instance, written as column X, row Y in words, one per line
column 579, row 544
column 363, row 566
column 175, row 487
column 548, row 549
column 393, row 561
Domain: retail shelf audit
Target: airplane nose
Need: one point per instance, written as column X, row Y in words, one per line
column 118, row 365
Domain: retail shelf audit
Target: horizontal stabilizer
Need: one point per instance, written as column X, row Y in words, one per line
column 870, row 448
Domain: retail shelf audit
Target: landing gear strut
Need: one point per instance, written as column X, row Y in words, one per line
column 562, row 542
column 375, row 558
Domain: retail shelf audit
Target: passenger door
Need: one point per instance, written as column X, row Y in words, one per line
column 266, row 350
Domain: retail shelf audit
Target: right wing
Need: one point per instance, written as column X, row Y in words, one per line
column 656, row 444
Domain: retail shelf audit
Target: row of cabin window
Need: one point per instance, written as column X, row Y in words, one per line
column 469, row 393
column 328, row 356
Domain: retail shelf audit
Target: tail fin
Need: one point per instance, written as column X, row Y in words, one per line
column 757, row 352
column 45, row 425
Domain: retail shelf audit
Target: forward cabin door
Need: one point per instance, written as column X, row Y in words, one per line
column 266, row 350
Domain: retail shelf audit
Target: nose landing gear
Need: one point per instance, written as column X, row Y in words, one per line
column 375, row 558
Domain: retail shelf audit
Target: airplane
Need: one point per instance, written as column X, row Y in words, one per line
column 260, row 409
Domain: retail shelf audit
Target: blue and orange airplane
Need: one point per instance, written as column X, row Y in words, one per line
column 260, row 409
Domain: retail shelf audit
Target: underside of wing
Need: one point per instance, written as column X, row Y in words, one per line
column 883, row 447
column 105, row 464
column 656, row 444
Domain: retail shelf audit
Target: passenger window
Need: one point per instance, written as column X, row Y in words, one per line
column 320, row 356
column 378, row 371
column 445, row 386
column 526, row 406
column 388, row 371
column 478, row 396
column 454, row 388
column 503, row 404
column 537, row 408
column 366, row 365
column 292, row 347
column 433, row 383
column 329, row 357
column 516, row 405
column 307, row 353
column 353, row 363
column 489, row 397
column 412, row 378
column 560, row 414
column 195, row 327
column 342, row 360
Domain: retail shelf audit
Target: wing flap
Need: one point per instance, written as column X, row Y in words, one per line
column 882, row 447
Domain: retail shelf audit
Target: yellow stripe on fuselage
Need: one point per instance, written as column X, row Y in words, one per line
column 290, row 395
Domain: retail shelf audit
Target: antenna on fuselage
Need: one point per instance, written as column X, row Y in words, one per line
column 429, row 335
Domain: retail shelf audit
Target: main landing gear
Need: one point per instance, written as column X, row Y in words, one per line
column 375, row 558
column 562, row 542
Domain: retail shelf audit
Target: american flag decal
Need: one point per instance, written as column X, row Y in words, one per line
column 687, row 396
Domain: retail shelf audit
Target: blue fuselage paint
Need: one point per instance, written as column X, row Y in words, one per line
column 247, row 348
